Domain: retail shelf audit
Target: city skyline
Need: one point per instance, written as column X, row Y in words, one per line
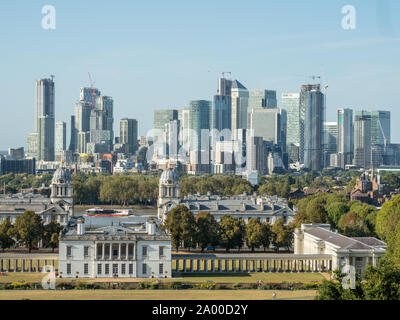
column 350, row 62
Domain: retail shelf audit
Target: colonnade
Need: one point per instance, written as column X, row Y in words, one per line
column 250, row 263
column 27, row 263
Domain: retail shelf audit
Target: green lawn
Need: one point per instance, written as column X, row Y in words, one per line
column 156, row 294
column 221, row 278
column 254, row 277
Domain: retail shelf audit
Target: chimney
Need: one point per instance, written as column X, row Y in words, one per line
column 81, row 226
column 151, row 227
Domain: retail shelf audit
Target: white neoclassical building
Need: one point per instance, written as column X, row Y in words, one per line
column 266, row 208
column 358, row 252
column 143, row 251
column 59, row 207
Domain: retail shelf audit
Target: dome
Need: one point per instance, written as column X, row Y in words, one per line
column 62, row 176
column 169, row 176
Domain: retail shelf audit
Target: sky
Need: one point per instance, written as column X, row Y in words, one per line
column 151, row 55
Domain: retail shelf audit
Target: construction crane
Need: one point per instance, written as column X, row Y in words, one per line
column 313, row 77
column 52, row 76
column 222, row 72
column 92, row 87
column 383, row 134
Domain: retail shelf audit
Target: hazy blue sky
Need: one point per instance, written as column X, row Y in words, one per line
column 161, row 54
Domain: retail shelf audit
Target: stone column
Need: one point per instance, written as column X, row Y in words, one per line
column 23, row 265
column 111, row 247
column 190, row 265
column 15, row 265
column 198, row 265
column 212, row 265
column 127, row 251
column 205, row 265
column 184, row 265
column 119, row 251
column 103, row 248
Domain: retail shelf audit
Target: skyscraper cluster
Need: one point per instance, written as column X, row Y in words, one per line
column 238, row 131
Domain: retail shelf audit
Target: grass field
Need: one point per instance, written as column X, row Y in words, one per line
column 222, row 278
column 156, row 295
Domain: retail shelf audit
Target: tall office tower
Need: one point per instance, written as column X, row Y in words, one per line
column 380, row 127
column 101, row 125
column 314, row 117
column 256, row 154
column 161, row 117
column 82, row 116
column 266, row 123
column 240, row 99
column 83, row 138
column 362, row 139
column 331, row 139
column 260, row 99
column 200, row 115
column 89, row 95
column 345, row 142
column 32, row 145
column 291, row 104
column 221, row 115
column 73, row 135
column 184, row 132
column 61, row 136
column 172, row 145
column 44, row 118
column 224, row 87
column 129, row 134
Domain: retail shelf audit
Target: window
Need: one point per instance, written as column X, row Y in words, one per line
column 131, row 268
column 86, row 268
column 123, row 268
column 144, row 251
column 69, row 251
column 161, row 269
column 86, row 251
column 115, row 268
column 99, row 268
column 161, row 251
column 144, row 268
column 107, row 271
column 130, row 251
column 68, row 268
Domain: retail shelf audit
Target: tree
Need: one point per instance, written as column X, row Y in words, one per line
column 173, row 224
column 383, row 281
column 388, row 218
column 28, row 229
column 6, row 240
column 51, row 234
column 188, row 227
column 265, row 235
column 231, row 232
column 334, row 290
column 207, row 230
column 282, row 236
column 352, row 225
column 336, row 210
column 254, row 233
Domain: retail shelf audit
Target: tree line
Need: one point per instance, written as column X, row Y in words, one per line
column 188, row 231
column 27, row 230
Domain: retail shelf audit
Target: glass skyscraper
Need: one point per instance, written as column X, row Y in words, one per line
column 291, row 104
column 200, row 118
column 314, row 117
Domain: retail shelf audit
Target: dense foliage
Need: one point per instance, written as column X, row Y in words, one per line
column 352, row 218
column 202, row 231
column 27, row 231
column 380, row 283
